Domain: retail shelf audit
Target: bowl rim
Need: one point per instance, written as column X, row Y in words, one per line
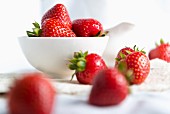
column 46, row 38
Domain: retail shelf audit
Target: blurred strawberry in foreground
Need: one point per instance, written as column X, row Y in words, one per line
column 135, row 66
column 161, row 51
column 55, row 28
column 33, row 94
column 109, row 88
column 60, row 12
column 86, row 66
column 87, row 27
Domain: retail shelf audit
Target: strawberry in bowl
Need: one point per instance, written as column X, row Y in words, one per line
column 88, row 27
column 59, row 11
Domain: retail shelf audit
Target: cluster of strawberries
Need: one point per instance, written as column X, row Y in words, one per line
column 34, row 93
column 110, row 85
column 56, row 22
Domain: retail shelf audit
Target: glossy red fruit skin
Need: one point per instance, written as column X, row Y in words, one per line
column 55, row 28
column 162, row 52
column 123, row 51
column 140, row 65
column 32, row 94
column 60, row 12
column 109, row 88
column 94, row 63
column 86, row 27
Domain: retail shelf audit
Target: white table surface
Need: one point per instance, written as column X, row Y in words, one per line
column 138, row 103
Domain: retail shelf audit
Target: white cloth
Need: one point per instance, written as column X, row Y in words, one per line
column 138, row 103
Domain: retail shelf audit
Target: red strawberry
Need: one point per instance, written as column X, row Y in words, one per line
column 33, row 94
column 87, row 27
column 60, row 12
column 86, row 66
column 123, row 53
column 55, row 28
column 109, row 88
column 140, row 66
column 162, row 51
column 136, row 66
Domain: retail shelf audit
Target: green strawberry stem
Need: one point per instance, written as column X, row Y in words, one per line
column 161, row 42
column 137, row 49
column 36, row 31
column 78, row 62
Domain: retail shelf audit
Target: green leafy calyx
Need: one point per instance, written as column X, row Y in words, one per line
column 78, row 62
column 161, row 42
column 137, row 49
column 36, row 31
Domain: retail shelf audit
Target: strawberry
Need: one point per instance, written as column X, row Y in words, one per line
column 86, row 66
column 122, row 53
column 87, row 27
column 139, row 63
column 55, row 28
column 33, row 94
column 161, row 51
column 109, row 88
column 51, row 28
column 60, row 12
column 136, row 66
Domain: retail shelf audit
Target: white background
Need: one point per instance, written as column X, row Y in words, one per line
column 151, row 18
column 152, row 22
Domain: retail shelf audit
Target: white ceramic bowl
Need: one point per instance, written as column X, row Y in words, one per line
column 50, row 54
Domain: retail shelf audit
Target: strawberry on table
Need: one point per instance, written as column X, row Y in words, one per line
column 161, row 51
column 87, row 27
column 60, row 12
column 140, row 66
column 86, row 66
column 33, row 94
column 136, row 66
column 109, row 88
